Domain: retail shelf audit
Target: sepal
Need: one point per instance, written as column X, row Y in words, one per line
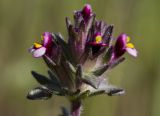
column 51, row 84
column 115, row 91
column 105, row 88
column 79, row 76
column 49, row 62
column 114, row 63
column 68, row 22
column 100, row 70
column 64, row 46
column 90, row 23
column 39, row 93
column 108, row 34
column 41, row 79
column 91, row 80
column 107, row 55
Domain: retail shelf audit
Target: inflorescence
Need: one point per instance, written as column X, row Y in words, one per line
column 77, row 67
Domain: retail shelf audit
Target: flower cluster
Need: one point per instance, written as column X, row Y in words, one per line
column 77, row 67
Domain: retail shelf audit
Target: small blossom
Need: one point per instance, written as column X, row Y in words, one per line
column 38, row 50
column 123, row 45
column 98, row 40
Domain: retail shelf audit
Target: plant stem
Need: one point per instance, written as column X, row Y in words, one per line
column 76, row 107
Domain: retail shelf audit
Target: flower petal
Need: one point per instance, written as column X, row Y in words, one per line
column 132, row 51
column 121, row 42
column 38, row 52
column 120, row 45
column 47, row 39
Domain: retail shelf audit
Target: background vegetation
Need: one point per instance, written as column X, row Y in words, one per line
column 23, row 21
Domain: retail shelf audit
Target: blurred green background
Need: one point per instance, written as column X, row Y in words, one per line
column 23, row 21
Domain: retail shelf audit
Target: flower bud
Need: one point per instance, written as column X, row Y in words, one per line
column 86, row 12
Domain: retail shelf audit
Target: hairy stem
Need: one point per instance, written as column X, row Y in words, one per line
column 76, row 107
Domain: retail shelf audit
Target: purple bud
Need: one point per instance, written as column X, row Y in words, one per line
column 86, row 12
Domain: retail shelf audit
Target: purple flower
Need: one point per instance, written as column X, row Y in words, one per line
column 99, row 37
column 38, row 50
column 98, row 40
column 123, row 45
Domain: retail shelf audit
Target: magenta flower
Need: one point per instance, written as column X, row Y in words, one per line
column 97, row 40
column 97, row 44
column 99, row 37
column 38, row 50
column 123, row 45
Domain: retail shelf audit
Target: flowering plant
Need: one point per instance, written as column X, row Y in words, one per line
column 77, row 67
